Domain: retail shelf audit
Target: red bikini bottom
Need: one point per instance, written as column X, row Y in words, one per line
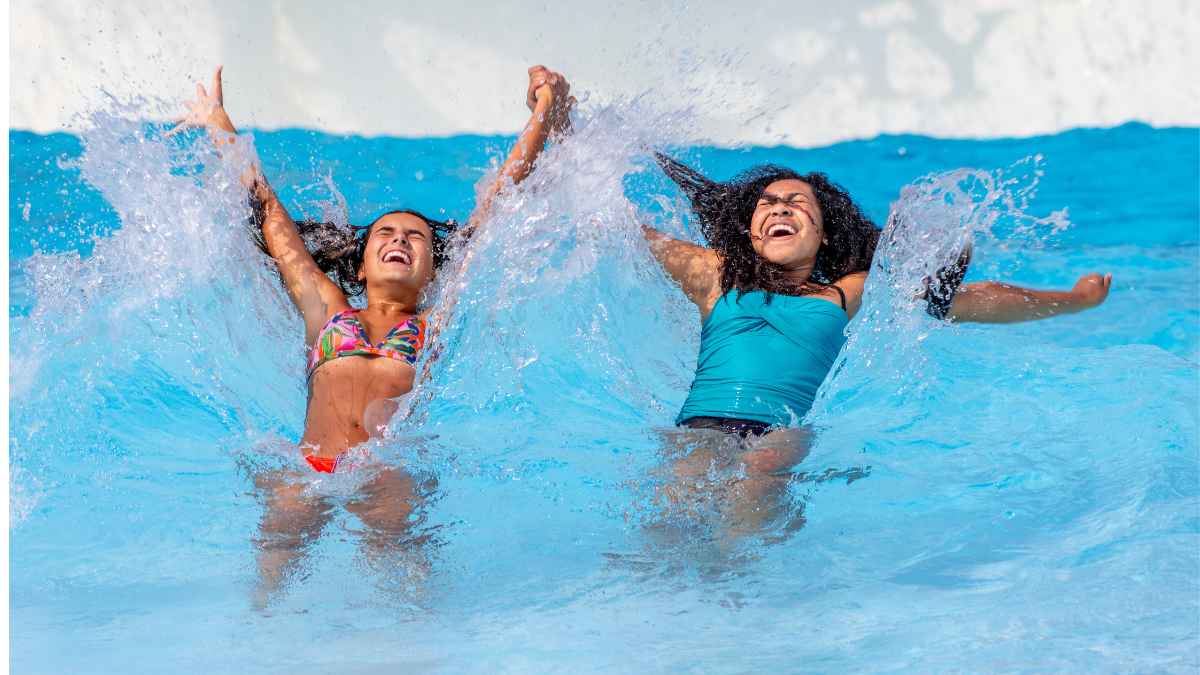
column 325, row 464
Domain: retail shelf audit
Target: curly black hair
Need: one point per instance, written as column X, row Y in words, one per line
column 340, row 251
column 725, row 209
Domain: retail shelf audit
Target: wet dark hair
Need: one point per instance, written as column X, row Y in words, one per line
column 339, row 250
column 725, row 209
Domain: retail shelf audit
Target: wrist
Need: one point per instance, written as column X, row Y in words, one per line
column 219, row 119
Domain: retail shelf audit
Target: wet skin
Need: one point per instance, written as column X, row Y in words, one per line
column 397, row 265
column 398, row 262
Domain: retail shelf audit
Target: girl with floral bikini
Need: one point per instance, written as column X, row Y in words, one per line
column 362, row 355
column 359, row 356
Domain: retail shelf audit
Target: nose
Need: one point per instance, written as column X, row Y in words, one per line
column 781, row 209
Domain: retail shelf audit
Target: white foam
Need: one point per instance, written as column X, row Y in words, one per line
column 801, row 73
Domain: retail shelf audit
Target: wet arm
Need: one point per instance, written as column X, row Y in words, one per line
column 549, row 101
column 550, row 104
column 313, row 293
column 995, row 302
column 696, row 269
column 852, row 286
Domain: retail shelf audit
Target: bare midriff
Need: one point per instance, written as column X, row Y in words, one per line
column 338, row 395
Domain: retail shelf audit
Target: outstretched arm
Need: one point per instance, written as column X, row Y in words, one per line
column 548, row 97
column 994, row 302
column 696, row 269
column 313, row 293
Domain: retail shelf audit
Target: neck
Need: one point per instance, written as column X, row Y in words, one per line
column 799, row 272
column 390, row 305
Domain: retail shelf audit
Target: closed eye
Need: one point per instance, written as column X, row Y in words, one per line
column 794, row 201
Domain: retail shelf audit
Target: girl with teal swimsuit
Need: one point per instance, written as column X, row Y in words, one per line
column 789, row 257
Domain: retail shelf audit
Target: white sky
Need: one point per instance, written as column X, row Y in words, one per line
column 800, row 72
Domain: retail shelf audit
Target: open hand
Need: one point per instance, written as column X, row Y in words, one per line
column 1091, row 290
column 207, row 110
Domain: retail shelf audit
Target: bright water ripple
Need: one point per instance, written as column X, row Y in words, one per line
column 1003, row 499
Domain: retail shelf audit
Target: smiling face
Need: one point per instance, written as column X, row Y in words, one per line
column 398, row 258
column 786, row 228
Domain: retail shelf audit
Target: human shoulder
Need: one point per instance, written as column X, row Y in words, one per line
column 852, row 282
column 852, row 285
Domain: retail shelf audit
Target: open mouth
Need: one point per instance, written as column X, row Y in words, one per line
column 397, row 256
column 780, row 230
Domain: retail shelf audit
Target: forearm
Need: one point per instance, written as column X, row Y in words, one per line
column 224, row 136
column 220, row 127
column 521, row 158
column 527, row 148
column 279, row 231
column 994, row 302
column 670, row 252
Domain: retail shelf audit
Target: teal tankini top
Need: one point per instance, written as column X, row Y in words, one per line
column 761, row 361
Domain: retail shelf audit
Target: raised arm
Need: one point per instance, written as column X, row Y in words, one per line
column 994, row 302
column 313, row 293
column 548, row 98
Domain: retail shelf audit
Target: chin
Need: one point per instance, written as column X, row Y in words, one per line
column 779, row 257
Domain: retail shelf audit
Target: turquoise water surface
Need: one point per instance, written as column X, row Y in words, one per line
column 974, row 499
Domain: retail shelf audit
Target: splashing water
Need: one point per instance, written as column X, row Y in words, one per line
column 970, row 499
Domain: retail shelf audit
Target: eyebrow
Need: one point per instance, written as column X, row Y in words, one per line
column 790, row 195
column 388, row 229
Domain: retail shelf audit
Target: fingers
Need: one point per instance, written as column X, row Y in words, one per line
column 177, row 129
column 181, row 118
column 200, row 93
column 216, row 83
column 1097, row 292
column 538, row 75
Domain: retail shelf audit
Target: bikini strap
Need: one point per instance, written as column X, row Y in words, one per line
column 839, row 290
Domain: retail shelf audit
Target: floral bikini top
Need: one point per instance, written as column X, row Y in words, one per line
column 343, row 335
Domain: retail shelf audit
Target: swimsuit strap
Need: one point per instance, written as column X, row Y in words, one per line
column 839, row 290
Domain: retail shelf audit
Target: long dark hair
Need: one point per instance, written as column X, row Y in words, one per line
column 339, row 250
column 725, row 209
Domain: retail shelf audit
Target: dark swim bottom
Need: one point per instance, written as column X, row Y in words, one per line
column 730, row 425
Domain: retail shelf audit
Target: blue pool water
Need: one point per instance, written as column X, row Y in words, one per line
column 975, row 499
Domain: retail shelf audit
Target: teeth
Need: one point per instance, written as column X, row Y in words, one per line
column 780, row 228
column 396, row 255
